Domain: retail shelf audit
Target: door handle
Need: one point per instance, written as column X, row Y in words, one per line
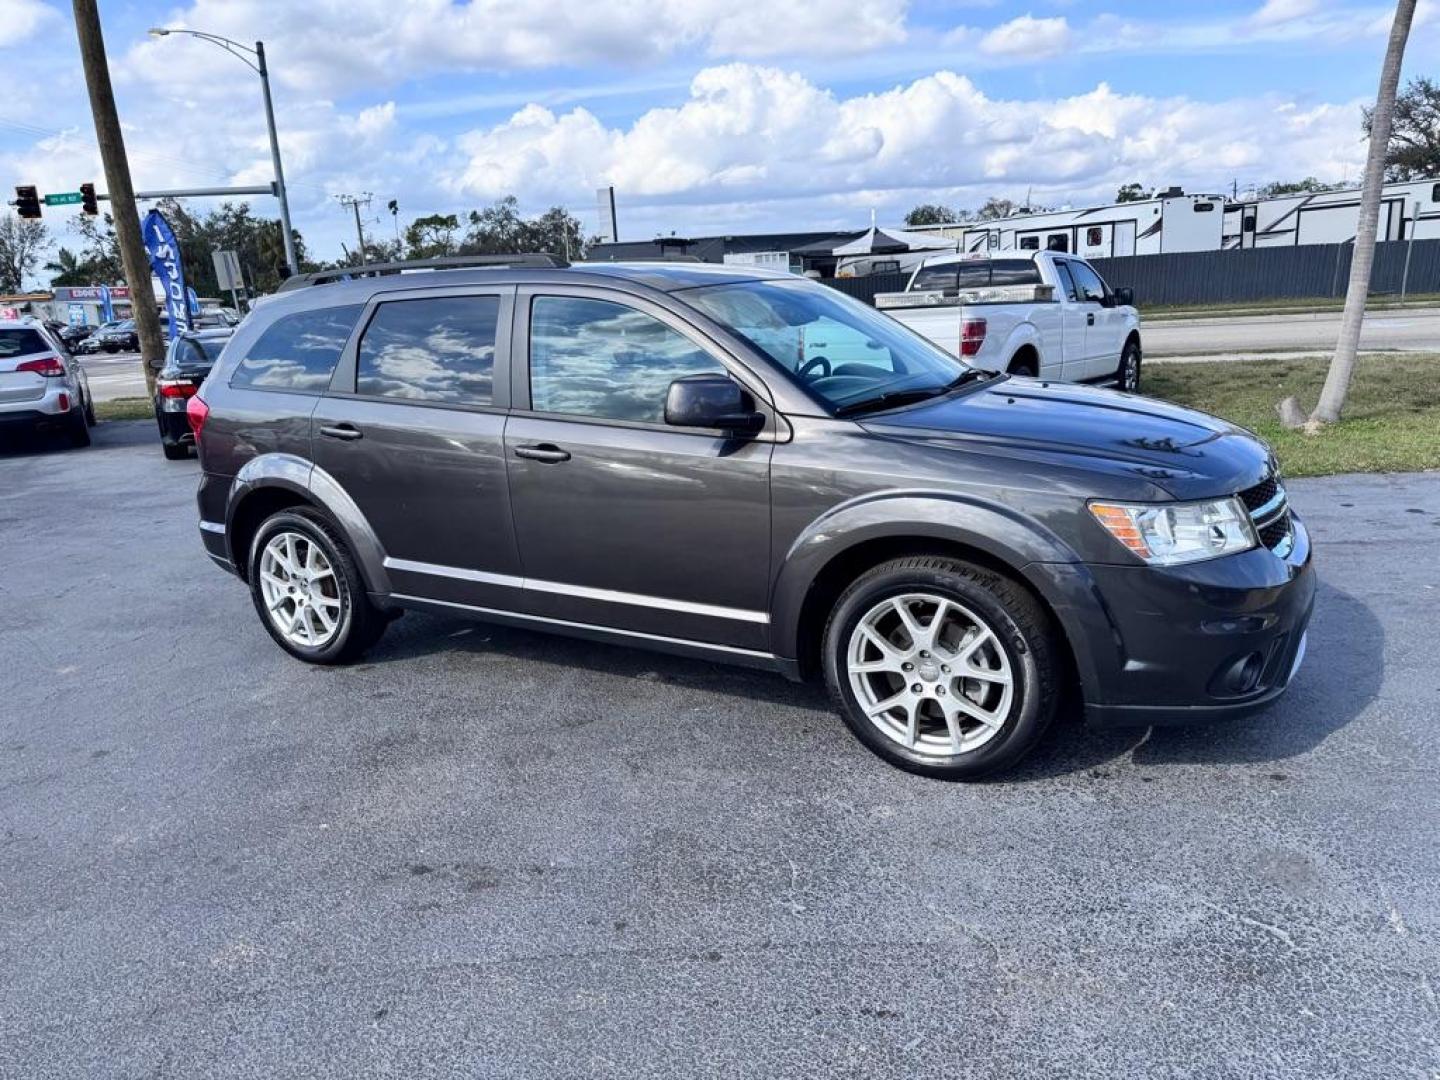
column 1090, row 319
column 348, row 432
column 549, row 453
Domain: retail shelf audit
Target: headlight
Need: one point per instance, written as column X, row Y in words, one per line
column 1165, row 534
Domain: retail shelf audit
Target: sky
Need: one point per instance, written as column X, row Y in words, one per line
column 707, row 116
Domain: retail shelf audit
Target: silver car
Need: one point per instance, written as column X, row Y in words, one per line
column 41, row 384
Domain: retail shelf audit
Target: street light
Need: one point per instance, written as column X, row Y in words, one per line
column 257, row 65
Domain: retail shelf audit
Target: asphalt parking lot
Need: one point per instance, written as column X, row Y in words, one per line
column 485, row 852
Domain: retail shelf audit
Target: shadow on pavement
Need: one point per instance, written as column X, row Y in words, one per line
column 21, row 442
column 1343, row 671
column 1342, row 674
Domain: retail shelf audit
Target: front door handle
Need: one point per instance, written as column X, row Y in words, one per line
column 1090, row 319
column 549, row 453
column 348, row 432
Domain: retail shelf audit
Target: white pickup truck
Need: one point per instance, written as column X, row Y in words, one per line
column 1041, row 313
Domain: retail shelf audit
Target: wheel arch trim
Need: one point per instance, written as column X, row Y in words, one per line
column 314, row 486
column 995, row 530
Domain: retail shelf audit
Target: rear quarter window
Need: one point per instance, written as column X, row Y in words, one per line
column 19, row 342
column 1014, row 272
column 298, row 351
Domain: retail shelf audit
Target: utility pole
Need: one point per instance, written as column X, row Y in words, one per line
column 355, row 202
column 122, row 193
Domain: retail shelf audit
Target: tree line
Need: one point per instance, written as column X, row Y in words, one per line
column 93, row 256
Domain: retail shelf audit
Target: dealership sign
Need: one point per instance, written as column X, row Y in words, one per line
column 94, row 293
column 165, row 262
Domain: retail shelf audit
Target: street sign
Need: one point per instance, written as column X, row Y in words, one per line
column 227, row 270
column 64, row 198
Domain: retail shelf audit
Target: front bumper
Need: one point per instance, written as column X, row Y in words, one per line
column 1213, row 640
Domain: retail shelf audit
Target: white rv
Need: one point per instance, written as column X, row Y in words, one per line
column 1170, row 222
column 1330, row 217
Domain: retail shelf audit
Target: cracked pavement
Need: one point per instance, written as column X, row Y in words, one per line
column 485, row 852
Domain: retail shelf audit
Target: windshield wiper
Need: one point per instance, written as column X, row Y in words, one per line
column 893, row 399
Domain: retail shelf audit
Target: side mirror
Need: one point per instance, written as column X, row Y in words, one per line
column 1125, row 297
column 711, row 401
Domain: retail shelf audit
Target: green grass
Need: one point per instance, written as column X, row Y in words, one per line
column 1391, row 421
column 1284, row 306
column 125, row 408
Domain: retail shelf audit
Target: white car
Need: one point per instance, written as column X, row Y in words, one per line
column 41, row 384
column 1040, row 313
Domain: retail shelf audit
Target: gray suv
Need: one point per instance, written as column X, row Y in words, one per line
column 649, row 454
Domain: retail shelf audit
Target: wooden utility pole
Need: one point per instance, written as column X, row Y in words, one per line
column 122, row 192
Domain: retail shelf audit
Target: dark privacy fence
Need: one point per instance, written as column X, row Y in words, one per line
column 1204, row 277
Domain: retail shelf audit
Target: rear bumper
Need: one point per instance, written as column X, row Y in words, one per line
column 212, row 536
column 174, row 425
column 1211, row 641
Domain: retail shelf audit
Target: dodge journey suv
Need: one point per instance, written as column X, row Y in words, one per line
column 647, row 454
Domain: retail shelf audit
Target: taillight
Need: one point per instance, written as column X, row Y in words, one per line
column 175, row 388
column 49, row 366
column 197, row 412
column 972, row 336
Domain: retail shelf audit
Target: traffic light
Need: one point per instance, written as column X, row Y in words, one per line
column 27, row 201
column 87, row 199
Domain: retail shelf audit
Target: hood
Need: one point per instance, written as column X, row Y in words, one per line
column 1188, row 454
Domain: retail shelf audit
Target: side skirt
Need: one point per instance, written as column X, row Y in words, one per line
column 697, row 650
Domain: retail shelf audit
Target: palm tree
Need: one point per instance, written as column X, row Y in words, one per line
column 1342, row 366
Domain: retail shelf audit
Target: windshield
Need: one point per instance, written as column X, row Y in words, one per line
column 842, row 352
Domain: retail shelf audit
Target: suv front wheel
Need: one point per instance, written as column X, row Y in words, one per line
column 941, row 667
column 308, row 590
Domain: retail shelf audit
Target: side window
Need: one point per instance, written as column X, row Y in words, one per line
column 1088, row 282
column 1066, row 281
column 1030, row 243
column 1094, row 236
column 598, row 358
column 1057, row 242
column 1014, row 272
column 440, row 349
column 935, row 277
column 299, row 351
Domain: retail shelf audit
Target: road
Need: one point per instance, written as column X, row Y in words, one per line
column 485, row 852
column 1415, row 329
column 114, row 375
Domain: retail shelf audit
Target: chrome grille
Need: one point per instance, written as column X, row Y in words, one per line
column 1269, row 509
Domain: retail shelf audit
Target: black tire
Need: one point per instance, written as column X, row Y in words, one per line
column 360, row 622
column 1022, row 628
column 76, row 428
column 90, row 411
column 1024, row 368
column 174, row 451
column 1127, row 373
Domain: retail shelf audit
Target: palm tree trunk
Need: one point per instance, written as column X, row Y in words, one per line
column 1342, row 366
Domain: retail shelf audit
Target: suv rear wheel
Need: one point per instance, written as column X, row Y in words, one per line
column 308, row 590
column 941, row 667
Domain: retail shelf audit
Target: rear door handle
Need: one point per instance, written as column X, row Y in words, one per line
column 348, row 432
column 549, row 453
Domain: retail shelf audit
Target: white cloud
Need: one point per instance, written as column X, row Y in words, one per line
column 1282, row 11
column 333, row 47
column 1028, row 38
column 20, row 20
column 748, row 135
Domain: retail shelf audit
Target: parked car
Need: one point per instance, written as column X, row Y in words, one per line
column 1026, row 312
column 71, row 336
column 41, row 385
column 92, row 343
column 188, row 359
column 606, row 451
column 117, row 337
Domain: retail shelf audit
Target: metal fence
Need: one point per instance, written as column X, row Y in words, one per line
column 1208, row 277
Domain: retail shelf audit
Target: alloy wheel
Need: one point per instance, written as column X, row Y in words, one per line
column 300, row 590
column 930, row 674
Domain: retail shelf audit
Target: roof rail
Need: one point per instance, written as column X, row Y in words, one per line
column 452, row 262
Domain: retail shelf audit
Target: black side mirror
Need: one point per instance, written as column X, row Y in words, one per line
column 1125, row 297
column 711, row 401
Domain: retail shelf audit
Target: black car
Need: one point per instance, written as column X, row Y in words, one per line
column 642, row 454
column 73, row 335
column 116, row 337
column 188, row 359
